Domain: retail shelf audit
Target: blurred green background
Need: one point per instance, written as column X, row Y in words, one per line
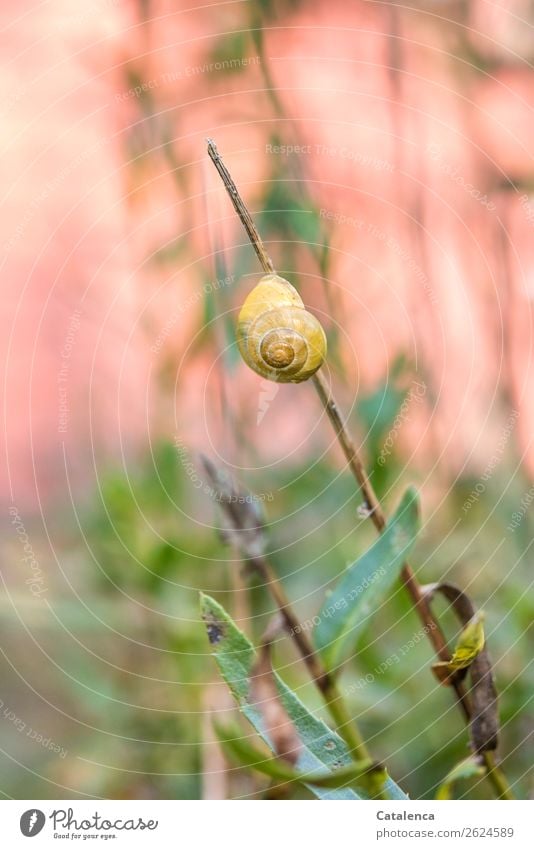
column 129, row 678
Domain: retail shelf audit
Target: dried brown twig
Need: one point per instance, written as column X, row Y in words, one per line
column 246, row 532
column 420, row 599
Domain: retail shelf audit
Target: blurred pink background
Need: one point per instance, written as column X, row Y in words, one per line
column 417, row 128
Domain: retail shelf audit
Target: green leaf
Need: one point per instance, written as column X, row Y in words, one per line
column 283, row 212
column 469, row 768
column 250, row 756
column 235, row 657
column 321, row 747
column 347, row 609
column 394, row 791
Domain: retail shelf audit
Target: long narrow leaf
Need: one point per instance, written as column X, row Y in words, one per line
column 235, row 656
column 347, row 610
column 248, row 755
column 322, row 748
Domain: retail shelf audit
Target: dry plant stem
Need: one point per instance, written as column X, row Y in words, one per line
column 322, row 679
column 421, row 604
column 244, row 215
column 347, row 728
column 497, row 777
column 378, row 518
column 335, row 704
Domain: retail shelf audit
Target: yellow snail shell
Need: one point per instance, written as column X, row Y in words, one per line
column 277, row 337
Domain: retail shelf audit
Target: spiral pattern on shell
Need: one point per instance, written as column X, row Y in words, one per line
column 277, row 337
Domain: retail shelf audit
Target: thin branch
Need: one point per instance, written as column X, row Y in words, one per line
column 324, row 682
column 497, row 777
column 247, row 534
column 413, row 587
column 376, row 514
column 240, row 208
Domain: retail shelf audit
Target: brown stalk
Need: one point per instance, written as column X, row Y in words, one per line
column 376, row 513
column 247, row 535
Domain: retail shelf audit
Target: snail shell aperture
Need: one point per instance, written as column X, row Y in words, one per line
column 277, row 337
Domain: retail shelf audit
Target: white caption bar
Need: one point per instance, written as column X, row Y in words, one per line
column 267, row 825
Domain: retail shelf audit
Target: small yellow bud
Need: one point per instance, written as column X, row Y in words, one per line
column 470, row 644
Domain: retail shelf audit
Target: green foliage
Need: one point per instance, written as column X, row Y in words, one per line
column 123, row 523
column 287, row 215
column 346, row 611
column 321, row 747
column 235, row 657
column 469, row 768
column 229, row 50
column 250, row 756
